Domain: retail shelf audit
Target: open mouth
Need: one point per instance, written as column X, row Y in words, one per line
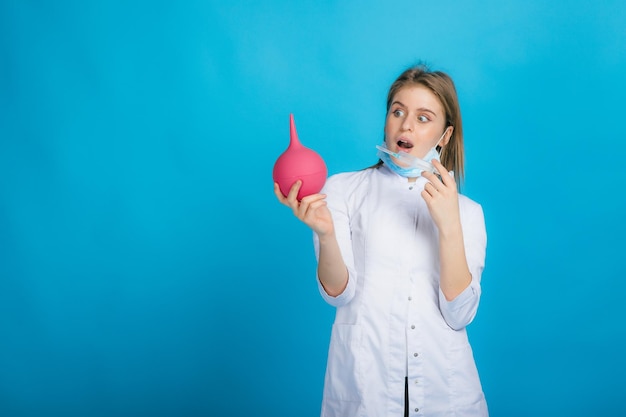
column 403, row 144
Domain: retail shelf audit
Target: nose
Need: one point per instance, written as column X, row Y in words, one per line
column 407, row 124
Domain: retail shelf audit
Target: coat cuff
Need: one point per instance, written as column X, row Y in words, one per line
column 343, row 298
column 460, row 311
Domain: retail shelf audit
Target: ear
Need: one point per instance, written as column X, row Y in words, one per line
column 447, row 136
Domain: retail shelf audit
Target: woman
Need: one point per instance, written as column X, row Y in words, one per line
column 400, row 255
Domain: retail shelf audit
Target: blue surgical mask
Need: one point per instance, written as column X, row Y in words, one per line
column 415, row 166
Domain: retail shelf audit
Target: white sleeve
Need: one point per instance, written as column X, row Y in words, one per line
column 336, row 199
column 460, row 311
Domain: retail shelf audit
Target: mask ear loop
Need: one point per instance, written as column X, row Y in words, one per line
column 437, row 147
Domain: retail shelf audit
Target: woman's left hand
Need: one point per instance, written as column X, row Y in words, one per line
column 442, row 198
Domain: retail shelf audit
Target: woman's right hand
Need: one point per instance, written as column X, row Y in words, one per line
column 311, row 210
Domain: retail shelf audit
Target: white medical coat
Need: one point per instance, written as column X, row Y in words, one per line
column 392, row 320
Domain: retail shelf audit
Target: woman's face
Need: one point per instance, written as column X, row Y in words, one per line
column 415, row 122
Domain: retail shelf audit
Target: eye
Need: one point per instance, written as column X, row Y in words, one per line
column 423, row 118
column 398, row 112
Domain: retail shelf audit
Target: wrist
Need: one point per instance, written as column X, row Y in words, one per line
column 451, row 231
column 327, row 236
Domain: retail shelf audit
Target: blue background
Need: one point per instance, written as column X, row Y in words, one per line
column 147, row 269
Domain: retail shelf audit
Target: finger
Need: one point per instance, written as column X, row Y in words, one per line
column 428, row 175
column 313, row 197
column 279, row 194
column 292, row 196
column 427, row 197
column 431, row 189
column 434, row 180
column 313, row 206
column 310, row 202
column 446, row 178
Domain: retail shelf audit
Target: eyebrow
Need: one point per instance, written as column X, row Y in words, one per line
column 422, row 109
